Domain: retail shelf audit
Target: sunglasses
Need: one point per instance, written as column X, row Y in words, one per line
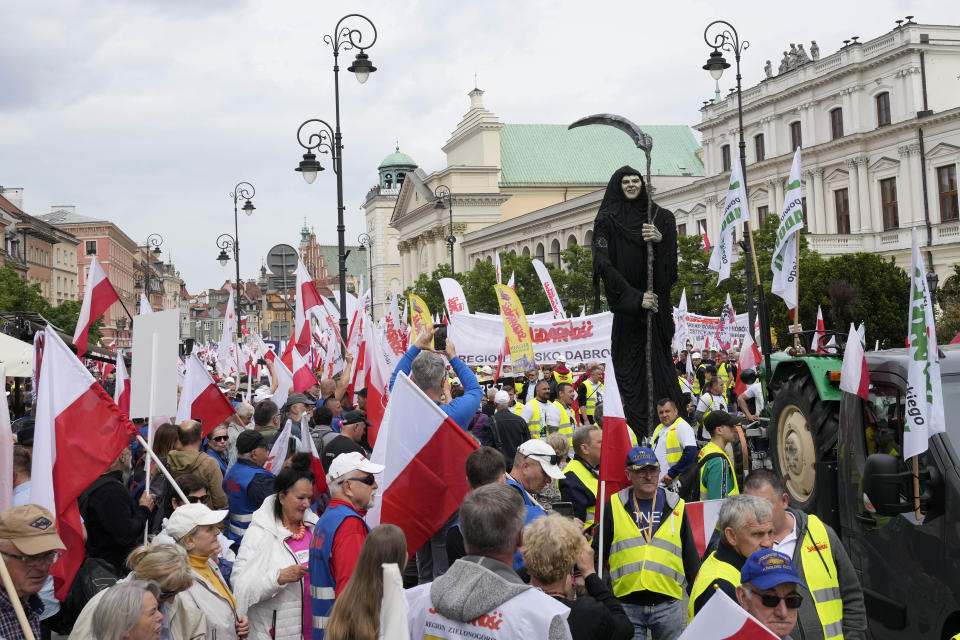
column 220, row 438
column 367, row 480
column 553, row 459
column 772, row 600
column 204, row 499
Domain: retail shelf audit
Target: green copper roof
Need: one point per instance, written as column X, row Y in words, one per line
column 397, row 159
column 356, row 261
column 552, row 154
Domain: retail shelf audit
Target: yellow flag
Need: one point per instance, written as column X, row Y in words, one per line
column 420, row 320
column 515, row 324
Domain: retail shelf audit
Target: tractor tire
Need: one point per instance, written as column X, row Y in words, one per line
column 803, row 431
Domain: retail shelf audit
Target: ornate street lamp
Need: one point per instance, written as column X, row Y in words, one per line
column 443, row 192
column 697, row 287
column 366, row 242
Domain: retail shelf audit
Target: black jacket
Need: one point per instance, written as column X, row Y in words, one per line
column 572, row 490
column 513, row 432
column 731, row 556
column 597, row 615
column 114, row 521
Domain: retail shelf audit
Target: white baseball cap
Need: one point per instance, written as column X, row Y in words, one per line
column 189, row 516
column 696, row 354
column 353, row 461
column 262, row 394
column 501, row 397
column 544, row 454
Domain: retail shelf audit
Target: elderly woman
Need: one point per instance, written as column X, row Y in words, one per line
column 128, row 611
column 216, row 447
column 552, row 546
column 270, row 575
column 194, row 527
column 169, row 567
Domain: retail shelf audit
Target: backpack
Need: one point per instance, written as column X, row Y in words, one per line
column 689, row 480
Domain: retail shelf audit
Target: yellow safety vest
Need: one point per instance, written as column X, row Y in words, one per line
column 696, row 381
column 674, row 448
column 710, row 571
column 638, row 565
column 724, row 372
column 707, row 449
column 566, row 423
column 560, row 377
column 592, row 391
column 820, row 574
column 590, row 481
column 517, row 408
column 537, row 422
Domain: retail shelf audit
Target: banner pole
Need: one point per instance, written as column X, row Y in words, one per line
column 602, row 495
column 149, row 442
column 15, row 601
column 163, row 469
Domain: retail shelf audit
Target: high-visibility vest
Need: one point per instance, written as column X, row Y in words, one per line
column 685, row 386
column 696, row 381
column 820, row 574
column 566, row 422
column 590, row 481
column 517, row 408
column 638, row 565
column 707, row 449
column 711, row 569
column 723, row 371
column 563, row 377
column 538, row 420
column 593, row 390
column 674, row 448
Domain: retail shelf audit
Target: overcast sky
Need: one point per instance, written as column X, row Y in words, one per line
column 147, row 113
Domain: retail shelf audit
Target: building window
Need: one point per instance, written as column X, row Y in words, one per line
column 681, row 230
column 702, row 227
column 883, row 109
column 91, row 247
column 836, row 123
column 947, row 186
column 725, row 158
column 762, row 213
column 888, row 203
column 796, row 139
column 842, row 205
column 758, row 147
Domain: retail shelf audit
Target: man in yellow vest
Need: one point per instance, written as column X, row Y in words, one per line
column 562, row 418
column 713, row 399
column 535, row 411
column 717, row 477
column 580, row 485
column 590, row 394
column 768, row 591
column 746, row 525
column 516, row 406
column 673, row 442
column 836, row 609
column 561, row 373
column 649, row 549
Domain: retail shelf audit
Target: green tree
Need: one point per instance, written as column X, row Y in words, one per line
column 428, row 288
column 948, row 299
column 16, row 294
column 575, row 281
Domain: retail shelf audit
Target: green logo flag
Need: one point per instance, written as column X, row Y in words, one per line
column 734, row 213
column 784, row 263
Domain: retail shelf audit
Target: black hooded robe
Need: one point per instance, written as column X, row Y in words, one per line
column 620, row 261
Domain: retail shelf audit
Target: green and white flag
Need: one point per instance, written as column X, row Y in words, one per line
column 734, row 213
column 924, row 410
column 784, row 263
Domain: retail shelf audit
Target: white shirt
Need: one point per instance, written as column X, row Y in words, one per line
column 527, row 413
column 789, row 542
column 710, row 402
column 754, row 391
column 684, row 434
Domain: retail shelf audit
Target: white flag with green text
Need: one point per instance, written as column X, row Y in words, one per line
column 784, row 262
column 924, row 401
column 734, row 213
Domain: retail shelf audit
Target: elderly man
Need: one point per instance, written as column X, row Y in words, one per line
column 504, row 430
column 298, row 405
column 768, row 591
column 527, row 390
column 247, row 484
column 836, row 604
column 746, row 525
column 481, row 590
column 426, row 368
column 580, row 483
column 190, row 459
column 340, row 532
column 351, row 434
column 649, row 547
column 336, row 388
column 534, row 465
column 29, row 544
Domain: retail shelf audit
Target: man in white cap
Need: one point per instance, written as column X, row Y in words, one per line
column 534, row 465
column 340, row 532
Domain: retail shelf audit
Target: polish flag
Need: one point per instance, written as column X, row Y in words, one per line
column 705, row 245
column 79, row 420
column 121, row 390
column 284, row 382
column 703, row 520
column 496, row 267
column 423, row 452
column 616, row 438
column 723, row 619
column 303, row 377
column 511, row 281
column 201, row 399
column 278, row 454
column 749, row 359
column 307, row 298
column 377, row 382
column 145, row 306
column 815, row 346
column 98, row 295
column 854, row 375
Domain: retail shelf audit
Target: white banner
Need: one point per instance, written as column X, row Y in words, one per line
column 733, row 209
column 701, row 329
column 784, row 264
column 453, row 296
column 551, row 291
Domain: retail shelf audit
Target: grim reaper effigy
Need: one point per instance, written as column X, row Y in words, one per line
column 635, row 256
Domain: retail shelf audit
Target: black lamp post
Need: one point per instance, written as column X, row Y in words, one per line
column 726, row 37
column 243, row 191
column 226, row 242
column 328, row 139
column 932, row 281
column 153, row 243
column 697, row 287
column 441, row 192
column 366, row 242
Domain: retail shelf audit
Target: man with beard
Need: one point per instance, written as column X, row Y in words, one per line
column 622, row 233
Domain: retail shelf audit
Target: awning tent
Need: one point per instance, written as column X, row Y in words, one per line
column 16, row 357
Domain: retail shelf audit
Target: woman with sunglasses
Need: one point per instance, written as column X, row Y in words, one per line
column 270, row 577
column 216, row 447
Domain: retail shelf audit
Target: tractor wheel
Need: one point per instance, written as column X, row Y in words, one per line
column 803, row 430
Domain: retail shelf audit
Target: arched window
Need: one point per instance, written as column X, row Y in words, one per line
column 490, row 259
column 555, row 253
column 525, row 252
column 588, row 238
column 539, row 254
column 571, row 241
column 400, row 176
column 388, row 180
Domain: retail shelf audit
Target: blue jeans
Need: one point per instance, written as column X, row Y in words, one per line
column 665, row 620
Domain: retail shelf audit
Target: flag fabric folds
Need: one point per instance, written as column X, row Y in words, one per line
column 854, row 375
column 453, row 296
column 121, row 389
column 145, row 306
column 723, row 619
column 516, row 328
column 303, row 377
column 420, row 319
column 79, row 433
column 749, row 359
column 377, row 383
column 307, row 298
column 548, row 287
column 201, row 399
column 98, row 295
column 785, row 250
column 733, row 214
column 815, row 346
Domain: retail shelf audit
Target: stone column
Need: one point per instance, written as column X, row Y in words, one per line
column 778, row 185
column 820, row 208
column 772, row 204
column 853, row 199
column 809, row 192
column 856, row 95
column 873, row 213
column 905, row 213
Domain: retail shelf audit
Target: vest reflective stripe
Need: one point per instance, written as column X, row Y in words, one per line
column 674, row 448
column 590, row 481
column 638, row 565
column 711, row 570
column 821, row 577
column 566, row 423
column 322, row 582
column 707, row 449
column 537, row 421
column 235, row 485
column 592, row 392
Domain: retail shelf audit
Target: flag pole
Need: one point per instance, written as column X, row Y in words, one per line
column 916, row 487
column 603, row 504
column 796, row 281
column 153, row 392
column 162, row 468
column 15, row 601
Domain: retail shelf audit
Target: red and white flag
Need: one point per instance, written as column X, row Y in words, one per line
column 703, row 520
column 121, row 389
column 79, row 433
column 377, row 382
column 723, row 619
column 98, row 295
column 303, row 377
column 854, row 375
column 306, row 299
column 201, row 399
column 278, row 454
column 423, row 452
column 815, row 346
column 496, row 267
column 616, row 437
column 705, row 244
column 749, row 359
column 145, row 307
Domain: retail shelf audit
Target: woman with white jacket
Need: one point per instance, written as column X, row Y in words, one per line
column 270, row 575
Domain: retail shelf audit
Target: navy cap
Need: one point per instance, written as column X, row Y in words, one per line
column 640, row 457
column 766, row 568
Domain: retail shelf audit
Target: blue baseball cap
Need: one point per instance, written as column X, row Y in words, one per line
column 640, row 457
column 766, row 568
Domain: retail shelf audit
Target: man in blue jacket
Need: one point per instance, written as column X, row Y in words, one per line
column 426, row 368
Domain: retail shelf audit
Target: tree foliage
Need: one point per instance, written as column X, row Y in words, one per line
column 948, row 299
column 16, row 294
